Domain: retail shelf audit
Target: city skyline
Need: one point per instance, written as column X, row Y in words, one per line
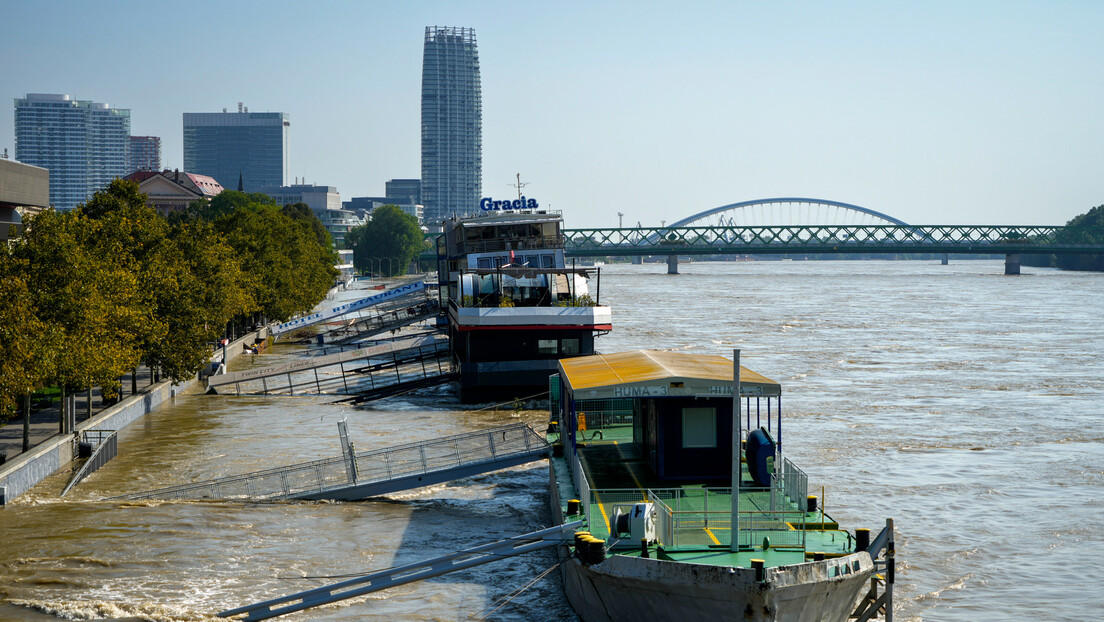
column 935, row 114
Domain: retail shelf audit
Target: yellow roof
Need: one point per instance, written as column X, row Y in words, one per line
column 649, row 373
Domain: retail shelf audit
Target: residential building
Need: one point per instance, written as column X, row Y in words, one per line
column 250, row 147
column 452, row 124
column 174, row 191
column 145, row 153
column 326, row 204
column 83, row 144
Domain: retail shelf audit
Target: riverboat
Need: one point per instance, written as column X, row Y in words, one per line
column 675, row 529
column 513, row 305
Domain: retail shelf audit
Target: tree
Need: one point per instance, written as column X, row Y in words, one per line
column 1088, row 228
column 291, row 271
column 391, row 233
column 25, row 341
column 302, row 212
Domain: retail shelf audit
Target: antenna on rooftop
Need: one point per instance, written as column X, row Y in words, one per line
column 519, row 185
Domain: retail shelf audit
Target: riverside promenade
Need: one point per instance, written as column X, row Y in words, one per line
column 51, row 452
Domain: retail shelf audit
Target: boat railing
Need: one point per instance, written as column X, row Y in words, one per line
column 694, row 518
column 795, row 483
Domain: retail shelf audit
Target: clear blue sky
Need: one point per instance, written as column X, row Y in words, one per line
column 933, row 112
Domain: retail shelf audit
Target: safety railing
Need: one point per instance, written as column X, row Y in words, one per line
column 311, row 478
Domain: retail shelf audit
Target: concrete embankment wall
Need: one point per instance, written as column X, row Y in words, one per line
column 23, row 472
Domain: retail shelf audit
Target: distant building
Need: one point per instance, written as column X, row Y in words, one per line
column 404, row 191
column 324, row 201
column 83, row 144
column 24, row 191
column 174, row 191
column 250, row 146
column 452, row 124
column 145, row 153
column 363, row 206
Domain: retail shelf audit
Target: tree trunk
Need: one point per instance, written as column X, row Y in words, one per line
column 64, row 419
column 27, row 421
column 89, row 402
column 134, row 381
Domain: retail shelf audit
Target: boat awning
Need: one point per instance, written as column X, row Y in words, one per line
column 652, row 373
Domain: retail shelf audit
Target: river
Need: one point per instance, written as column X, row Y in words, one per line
column 965, row 404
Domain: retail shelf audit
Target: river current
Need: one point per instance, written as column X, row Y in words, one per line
column 965, row 404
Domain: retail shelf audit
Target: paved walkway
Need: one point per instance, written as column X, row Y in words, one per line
column 45, row 421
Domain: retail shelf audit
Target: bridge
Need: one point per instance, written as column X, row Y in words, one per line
column 815, row 226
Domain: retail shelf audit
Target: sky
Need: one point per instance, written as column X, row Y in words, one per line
column 935, row 112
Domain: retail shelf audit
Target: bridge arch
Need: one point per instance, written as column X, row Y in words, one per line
column 848, row 208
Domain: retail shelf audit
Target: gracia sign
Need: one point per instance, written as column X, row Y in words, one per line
column 488, row 204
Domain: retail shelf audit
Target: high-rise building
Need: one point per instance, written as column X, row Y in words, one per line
column 84, row 144
column 404, row 191
column 145, row 153
column 232, row 146
column 452, row 124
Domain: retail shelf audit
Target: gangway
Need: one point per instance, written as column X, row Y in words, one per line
column 421, row 360
column 377, row 320
column 356, row 476
column 401, row 575
column 408, row 290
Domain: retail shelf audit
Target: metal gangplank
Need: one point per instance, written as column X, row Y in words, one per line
column 410, row 292
column 376, row 320
column 379, row 370
column 356, row 476
column 401, row 575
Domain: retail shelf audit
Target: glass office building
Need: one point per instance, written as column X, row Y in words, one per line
column 228, row 146
column 84, row 144
column 452, row 124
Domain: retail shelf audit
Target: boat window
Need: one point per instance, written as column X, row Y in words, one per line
column 546, row 346
column 569, row 346
column 484, row 262
column 546, row 261
column 699, row 427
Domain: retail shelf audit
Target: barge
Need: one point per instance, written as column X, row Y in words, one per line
column 676, row 529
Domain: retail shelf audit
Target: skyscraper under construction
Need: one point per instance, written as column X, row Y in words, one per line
column 452, row 124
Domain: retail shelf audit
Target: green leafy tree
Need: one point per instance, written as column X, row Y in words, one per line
column 26, row 344
column 302, row 212
column 391, row 234
column 291, row 270
column 84, row 285
column 1088, row 228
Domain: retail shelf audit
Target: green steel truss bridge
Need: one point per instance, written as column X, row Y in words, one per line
column 740, row 229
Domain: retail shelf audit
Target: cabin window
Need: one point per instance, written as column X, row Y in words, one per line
column 569, row 346
column 546, row 346
column 699, row 427
column 546, row 261
column 484, row 262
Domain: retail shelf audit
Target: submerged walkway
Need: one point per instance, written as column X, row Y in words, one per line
column 376, row 472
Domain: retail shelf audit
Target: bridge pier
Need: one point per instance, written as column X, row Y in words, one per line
column 672, row 264
column 1012, row 263
column 637, row 260
column 946, row 258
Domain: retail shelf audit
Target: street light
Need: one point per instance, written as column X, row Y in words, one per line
column 619, row 215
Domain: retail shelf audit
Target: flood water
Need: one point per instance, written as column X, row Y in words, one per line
column 966, row 405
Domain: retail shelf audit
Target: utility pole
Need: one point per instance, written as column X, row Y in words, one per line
column 519, row 185
column 619, row 215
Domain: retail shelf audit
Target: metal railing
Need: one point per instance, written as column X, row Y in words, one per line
column 331, row 474
column 105, row 446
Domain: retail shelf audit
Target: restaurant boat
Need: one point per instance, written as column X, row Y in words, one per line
column 513, row 305
column 676, row 529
